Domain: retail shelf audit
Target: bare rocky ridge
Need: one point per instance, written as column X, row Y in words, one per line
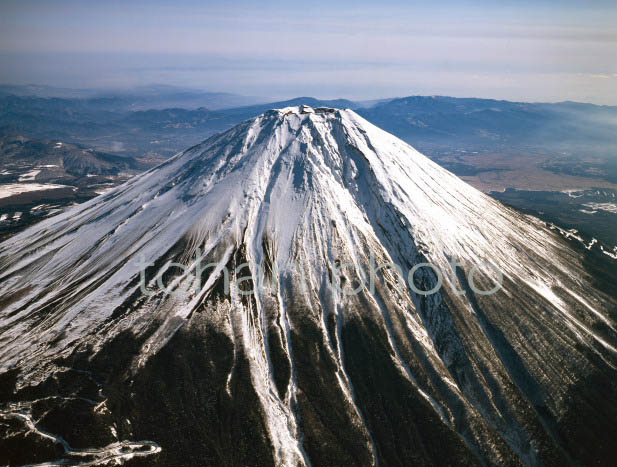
column 300, row 373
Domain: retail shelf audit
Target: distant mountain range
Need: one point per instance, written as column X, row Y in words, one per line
column 489, row 123
column 167, row 121
column 108, row 125
column 154, row 96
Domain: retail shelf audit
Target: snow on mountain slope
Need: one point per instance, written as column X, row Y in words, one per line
column 308, row 372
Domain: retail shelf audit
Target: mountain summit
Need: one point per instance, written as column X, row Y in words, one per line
column 302, row 289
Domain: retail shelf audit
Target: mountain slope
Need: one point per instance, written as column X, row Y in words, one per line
column 303, row 371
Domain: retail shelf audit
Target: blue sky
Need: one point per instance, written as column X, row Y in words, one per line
column 535, row 51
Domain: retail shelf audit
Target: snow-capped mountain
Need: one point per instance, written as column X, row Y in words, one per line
column 220, row 309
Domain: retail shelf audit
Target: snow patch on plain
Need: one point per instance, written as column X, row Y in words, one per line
column 17, row 188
